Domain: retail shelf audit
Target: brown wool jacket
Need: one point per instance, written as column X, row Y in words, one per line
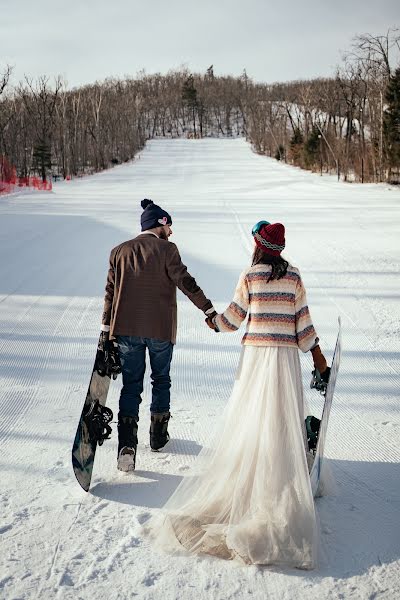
column 140, row 297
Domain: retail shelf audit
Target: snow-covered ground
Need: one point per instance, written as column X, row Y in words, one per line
column 57, row 541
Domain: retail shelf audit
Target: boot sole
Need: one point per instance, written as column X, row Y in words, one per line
column 126, row 463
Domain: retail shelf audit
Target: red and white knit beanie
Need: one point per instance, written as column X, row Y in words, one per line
column 271, row 238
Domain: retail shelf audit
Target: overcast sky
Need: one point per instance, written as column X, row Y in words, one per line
column 279, row 40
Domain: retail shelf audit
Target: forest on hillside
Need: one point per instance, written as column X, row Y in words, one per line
column 348, row 124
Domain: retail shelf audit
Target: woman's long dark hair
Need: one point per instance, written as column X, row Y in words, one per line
column 278, row 264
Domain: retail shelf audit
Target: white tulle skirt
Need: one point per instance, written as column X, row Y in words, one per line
column 250, row 497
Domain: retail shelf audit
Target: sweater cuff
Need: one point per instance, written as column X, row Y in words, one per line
column 210, row 311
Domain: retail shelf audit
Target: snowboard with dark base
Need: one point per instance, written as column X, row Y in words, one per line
column 93, row 427
column 318, row 463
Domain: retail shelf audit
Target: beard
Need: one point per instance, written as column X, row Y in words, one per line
column 163, row 234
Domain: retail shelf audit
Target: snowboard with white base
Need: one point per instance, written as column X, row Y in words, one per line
column 318, row 464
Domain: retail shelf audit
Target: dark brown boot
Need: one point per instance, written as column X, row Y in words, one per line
column 159, row 430
column 127, row 442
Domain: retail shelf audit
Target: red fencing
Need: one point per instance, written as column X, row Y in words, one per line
column 9, row 182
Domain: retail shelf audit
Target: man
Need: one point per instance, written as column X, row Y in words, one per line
column 140, row 312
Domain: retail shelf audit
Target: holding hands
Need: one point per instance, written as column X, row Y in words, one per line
column 210, row 320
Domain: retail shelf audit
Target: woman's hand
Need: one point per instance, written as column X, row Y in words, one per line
column 210, row 321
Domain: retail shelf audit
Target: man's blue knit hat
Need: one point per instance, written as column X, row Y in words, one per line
column 153, row 216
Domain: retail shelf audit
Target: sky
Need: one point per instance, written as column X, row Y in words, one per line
column 89, row 40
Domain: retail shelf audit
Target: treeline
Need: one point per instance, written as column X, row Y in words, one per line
column 348, row 124
column 50, row 130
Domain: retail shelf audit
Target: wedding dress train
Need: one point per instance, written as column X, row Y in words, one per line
column 250, row 498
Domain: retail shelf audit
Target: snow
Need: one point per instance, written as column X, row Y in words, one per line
column 57, row 541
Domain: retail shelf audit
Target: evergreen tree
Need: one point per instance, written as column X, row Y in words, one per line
column 189, row 96
column 280, row 152
column 210, row 72
column 42, row 158
column 392, row 120
column 312, row 147
column 296, row 146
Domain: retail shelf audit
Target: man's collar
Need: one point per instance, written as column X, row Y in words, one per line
column 150, row 232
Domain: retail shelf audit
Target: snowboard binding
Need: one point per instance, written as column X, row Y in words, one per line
column 320, row 382
column 312, row 427
column 97, row 419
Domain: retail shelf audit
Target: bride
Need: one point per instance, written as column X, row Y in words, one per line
column 251, row 498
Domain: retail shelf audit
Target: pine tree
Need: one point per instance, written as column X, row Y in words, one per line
column 296, row 146
column 280, row 152
column 392, row 121
column 42, row 158
column 189, row 96
column 312, row 147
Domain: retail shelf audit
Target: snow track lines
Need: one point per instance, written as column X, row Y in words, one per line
column 58, row 542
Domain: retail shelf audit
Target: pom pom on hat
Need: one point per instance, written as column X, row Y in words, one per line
column 271, row 238
column 153, row 215
column 146, row 202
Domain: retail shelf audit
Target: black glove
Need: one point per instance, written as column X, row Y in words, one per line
column 107, row 360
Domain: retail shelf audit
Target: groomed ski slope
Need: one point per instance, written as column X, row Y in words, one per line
column 57, row 541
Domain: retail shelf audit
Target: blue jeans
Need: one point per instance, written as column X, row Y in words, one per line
column 132, row 352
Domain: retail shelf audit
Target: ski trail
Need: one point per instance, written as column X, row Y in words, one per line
column 57, row 541
column 34, row 377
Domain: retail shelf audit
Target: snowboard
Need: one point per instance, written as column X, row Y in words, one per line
column 318, row 464
column 93, row 427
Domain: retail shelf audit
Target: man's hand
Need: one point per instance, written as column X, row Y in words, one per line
column 107, row 360
column 210, row 320
column 104, row 341
column 210, row 323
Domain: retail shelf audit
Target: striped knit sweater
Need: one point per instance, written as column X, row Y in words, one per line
column 278, row 311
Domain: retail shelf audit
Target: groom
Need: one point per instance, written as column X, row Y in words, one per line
column 140, row 313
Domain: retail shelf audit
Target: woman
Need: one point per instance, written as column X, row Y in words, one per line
column 253, row 500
